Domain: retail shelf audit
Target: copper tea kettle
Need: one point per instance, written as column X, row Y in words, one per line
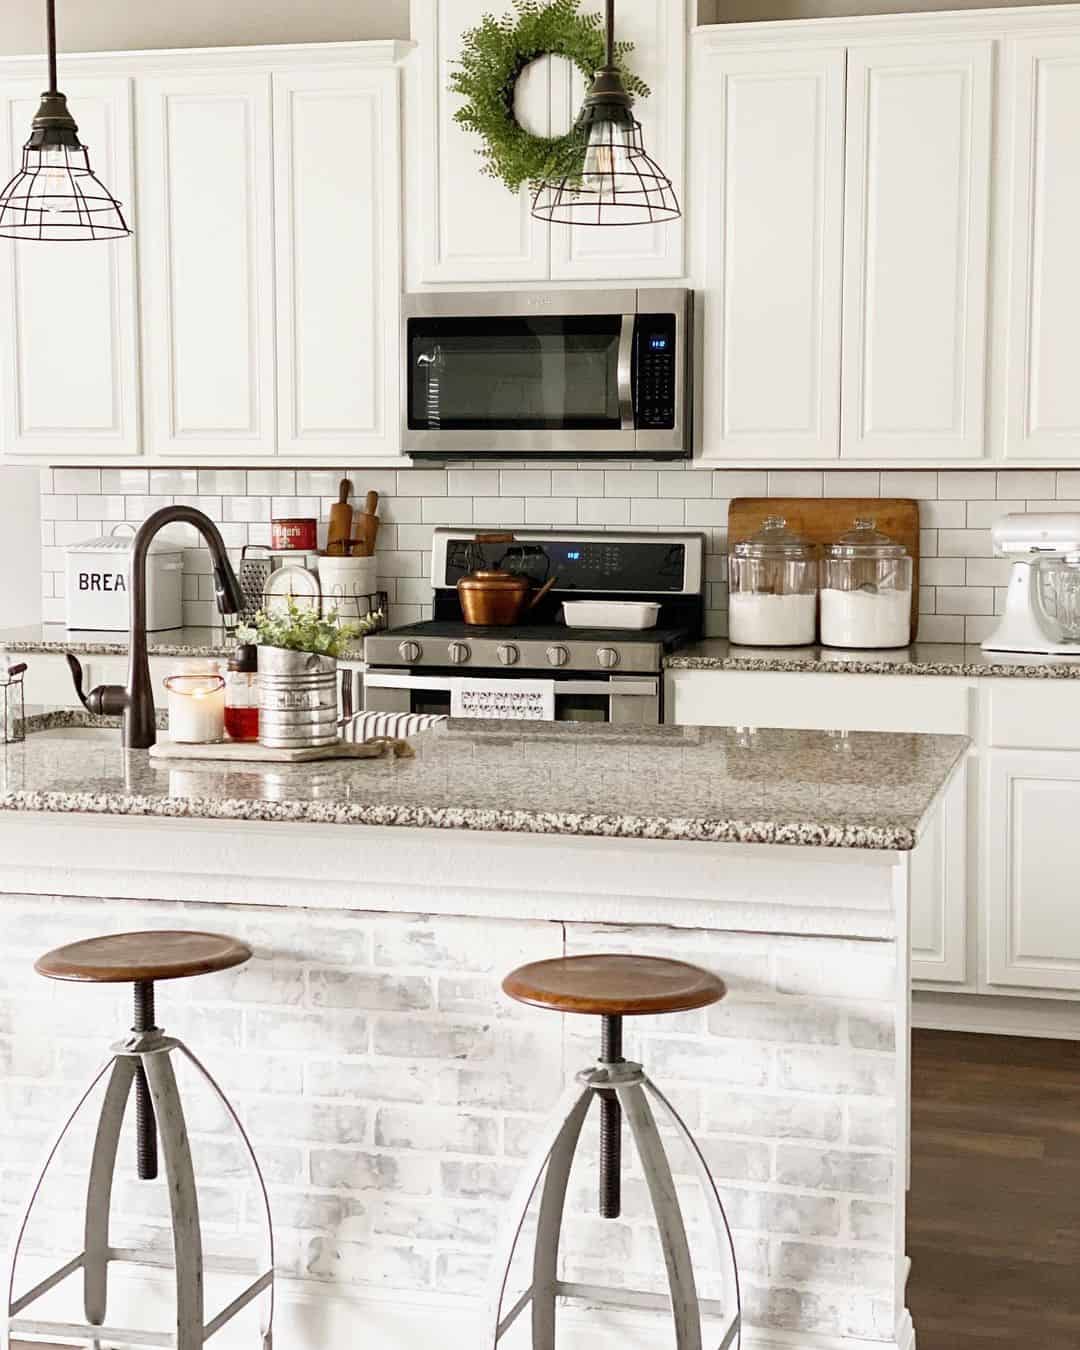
column 495, row 597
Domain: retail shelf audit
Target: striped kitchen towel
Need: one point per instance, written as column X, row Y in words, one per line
column 368, row 726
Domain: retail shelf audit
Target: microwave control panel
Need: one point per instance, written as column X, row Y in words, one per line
column 654, row 380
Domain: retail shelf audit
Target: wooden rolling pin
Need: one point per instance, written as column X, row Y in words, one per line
column 341, row 522
column 365, row 528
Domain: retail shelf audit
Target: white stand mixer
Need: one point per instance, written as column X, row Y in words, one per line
column 1028, row 625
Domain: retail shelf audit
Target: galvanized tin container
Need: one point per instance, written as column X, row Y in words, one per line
column 298, row 703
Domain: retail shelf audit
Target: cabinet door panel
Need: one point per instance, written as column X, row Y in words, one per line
column 1043, row 393
column 1033, row 860
column 915, row 253
column 207, row 253
column 338, row 260
column 68, row 336
column 469, row 227
column 768, row 168
column 939, row 891
column 658, row 31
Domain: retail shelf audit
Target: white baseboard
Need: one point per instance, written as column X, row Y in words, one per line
column 313, row 1316
column 996, row 1015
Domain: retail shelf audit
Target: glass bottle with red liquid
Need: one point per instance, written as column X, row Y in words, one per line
column 242, row 694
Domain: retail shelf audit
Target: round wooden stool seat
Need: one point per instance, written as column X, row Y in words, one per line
column 614, row 986
column 122, row 958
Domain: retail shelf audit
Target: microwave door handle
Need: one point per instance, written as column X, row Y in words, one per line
column 625, row 370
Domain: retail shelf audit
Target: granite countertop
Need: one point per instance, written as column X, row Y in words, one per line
column 861, row 790
column 49, row 638
column 922, row 658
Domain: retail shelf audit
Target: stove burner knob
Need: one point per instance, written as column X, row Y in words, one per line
column 458, row 652
column 557, row 656
column 507, row 654
column 410, row 652
column 608, row 657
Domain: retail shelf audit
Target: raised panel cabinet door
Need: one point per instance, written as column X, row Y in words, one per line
column 68, row 312
column 337, row 212
column 1032, row 863
column 917, row 203
column 657, row 28
column 1042, row 392
column 768, row 168
column 207, row 262
column 939, row 890
column 465, row 225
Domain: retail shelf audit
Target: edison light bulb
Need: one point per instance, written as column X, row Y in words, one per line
column 599, row 170
column 53, row 182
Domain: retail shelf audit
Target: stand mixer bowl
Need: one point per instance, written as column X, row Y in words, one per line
column 1059, row 594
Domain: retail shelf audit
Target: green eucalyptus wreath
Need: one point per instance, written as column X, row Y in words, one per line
column 494, row 55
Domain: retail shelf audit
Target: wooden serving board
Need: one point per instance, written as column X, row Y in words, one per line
column 251, row 752
column 823, row 519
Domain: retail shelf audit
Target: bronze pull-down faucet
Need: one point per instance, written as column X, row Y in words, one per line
column 133, row 703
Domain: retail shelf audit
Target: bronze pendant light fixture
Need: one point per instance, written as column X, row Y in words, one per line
column 55, row 194
column 614, row 182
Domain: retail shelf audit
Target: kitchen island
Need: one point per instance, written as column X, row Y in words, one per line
column 392, row 1091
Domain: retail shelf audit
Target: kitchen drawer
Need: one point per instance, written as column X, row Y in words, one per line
column 1035, row 714
column 822, row 702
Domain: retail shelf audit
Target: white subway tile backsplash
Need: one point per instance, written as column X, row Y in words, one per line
column 604, row 511
column 74, row 480
column 959, row 588
column 630, row 483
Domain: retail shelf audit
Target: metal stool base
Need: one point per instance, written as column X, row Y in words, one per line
column 548, row 1172
column 145, row 1054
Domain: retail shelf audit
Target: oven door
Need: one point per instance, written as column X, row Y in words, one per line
column 620, row 699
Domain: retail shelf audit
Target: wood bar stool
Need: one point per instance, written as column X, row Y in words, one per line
column 143, row 1061
column 611, row 988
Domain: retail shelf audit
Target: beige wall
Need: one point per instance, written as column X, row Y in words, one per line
column 749, row 11
column 121, row 25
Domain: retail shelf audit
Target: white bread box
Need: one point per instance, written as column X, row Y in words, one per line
column 99, row 581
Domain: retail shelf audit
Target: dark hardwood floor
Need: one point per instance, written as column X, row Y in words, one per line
column 994, row 1211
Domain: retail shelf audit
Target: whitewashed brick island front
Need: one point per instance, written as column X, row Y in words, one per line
column 393, row 1092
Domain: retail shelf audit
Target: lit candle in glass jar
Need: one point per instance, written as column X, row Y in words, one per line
column 196, row 708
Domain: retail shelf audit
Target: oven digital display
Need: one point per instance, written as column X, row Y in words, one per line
column 596, row 565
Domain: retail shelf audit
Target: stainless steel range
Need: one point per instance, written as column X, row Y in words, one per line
column 540, row 667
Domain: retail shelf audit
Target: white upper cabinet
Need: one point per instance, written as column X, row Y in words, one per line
column 1042, row 388
column 337, row 212
column 466, row 226
column 657, row 28
column 915, row 250
column 768, row 171
column 207, row 262
column 68, row 316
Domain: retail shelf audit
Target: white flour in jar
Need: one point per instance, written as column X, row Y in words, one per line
column 865, row 618
column 772, row 620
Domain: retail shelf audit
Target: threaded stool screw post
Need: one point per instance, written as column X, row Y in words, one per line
column 146, row 1156
column 610, row 1123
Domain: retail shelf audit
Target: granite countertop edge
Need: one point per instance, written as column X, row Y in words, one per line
column 703, row 830
column 1035, row 668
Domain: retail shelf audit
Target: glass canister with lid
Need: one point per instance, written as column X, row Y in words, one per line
column 773, row 585
column 866, row 590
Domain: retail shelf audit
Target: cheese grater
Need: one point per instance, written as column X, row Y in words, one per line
column 256, row 564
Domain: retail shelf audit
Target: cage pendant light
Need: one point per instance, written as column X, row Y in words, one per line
column 55, row 194
column 612, row 180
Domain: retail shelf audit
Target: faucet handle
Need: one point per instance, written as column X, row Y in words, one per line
column 107, row 699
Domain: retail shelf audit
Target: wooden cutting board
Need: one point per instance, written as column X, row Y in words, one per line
column 823, row 519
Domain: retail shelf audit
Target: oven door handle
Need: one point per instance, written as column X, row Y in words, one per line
column 625, row 371
column 626, row 685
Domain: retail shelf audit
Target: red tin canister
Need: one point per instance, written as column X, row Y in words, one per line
column 294, row 532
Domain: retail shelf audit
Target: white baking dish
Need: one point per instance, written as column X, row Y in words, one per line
column 610, row 613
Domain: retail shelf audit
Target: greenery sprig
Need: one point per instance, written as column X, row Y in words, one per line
column 300, row 629
column 493, row 56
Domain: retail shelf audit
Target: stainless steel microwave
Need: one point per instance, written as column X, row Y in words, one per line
column 554, row 374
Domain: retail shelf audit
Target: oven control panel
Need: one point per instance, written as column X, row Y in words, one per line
column 654, row 372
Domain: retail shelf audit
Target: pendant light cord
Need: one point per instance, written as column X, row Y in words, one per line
column 609, row 24
column 50, row 26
